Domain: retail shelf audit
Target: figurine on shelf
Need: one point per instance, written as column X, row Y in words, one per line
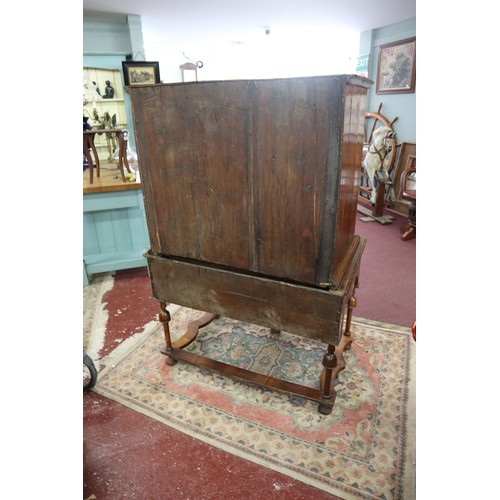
column 109, row 91
column 86, row 126
column 107, row 122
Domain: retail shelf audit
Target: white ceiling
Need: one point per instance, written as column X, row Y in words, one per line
column 234, row 20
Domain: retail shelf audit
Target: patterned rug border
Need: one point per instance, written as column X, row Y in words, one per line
column 407, row 462
column 380, row 324
column 244, row 453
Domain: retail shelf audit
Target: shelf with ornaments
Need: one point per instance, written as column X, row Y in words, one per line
column 103, row 106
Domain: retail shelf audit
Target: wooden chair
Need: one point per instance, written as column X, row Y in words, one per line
column 409, row 192
column 189, row 67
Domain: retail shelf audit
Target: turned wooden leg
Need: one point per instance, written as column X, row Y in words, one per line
column 121, row 153
column 409, row 232
column 164, row 318
column 125, row 147
column 329, row 394
column 96, row 156
column 347, row 333
column 90, row 161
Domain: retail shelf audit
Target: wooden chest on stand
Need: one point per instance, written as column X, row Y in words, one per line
column 250, row 190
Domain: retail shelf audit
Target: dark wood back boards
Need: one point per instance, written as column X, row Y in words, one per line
column 259, row 176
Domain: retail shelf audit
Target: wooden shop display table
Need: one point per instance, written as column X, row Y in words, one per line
column 89, row 149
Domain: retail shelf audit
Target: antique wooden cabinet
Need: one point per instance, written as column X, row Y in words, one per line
column 250, row 190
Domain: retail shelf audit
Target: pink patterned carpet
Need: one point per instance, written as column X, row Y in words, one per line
column 364, row 449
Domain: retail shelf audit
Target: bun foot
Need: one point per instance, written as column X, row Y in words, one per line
column 170, row 361
column 325, row 409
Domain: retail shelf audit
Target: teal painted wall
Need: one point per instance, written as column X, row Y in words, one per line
column 106, row 35
column 401, row 105
column 115, row 234
column 107, row 40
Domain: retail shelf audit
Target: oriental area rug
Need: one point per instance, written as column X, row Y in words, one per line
column 365, row 449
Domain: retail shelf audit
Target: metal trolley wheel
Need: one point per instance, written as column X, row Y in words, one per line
column 89, row 372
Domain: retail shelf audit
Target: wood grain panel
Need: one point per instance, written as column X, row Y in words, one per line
column 289, row 162
column 257, row 175
column 305, row 311
column 302, row 310
column 196, row 171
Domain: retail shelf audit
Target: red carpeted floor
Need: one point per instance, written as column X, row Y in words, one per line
column 388, row 274
column 128, row 455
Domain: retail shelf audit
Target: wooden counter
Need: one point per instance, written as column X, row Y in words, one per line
column 110, row 180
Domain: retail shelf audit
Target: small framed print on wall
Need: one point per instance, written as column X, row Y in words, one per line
column 397, row 67
column 141, row 72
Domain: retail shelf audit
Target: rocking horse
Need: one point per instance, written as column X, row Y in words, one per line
column 374, row 161
column 379, row 154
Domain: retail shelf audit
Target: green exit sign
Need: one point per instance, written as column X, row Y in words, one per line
column 362, row 64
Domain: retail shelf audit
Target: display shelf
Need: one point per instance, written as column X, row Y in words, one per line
column 100, row 111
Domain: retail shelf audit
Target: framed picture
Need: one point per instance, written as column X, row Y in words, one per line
column 141, row 72
column 396, row 67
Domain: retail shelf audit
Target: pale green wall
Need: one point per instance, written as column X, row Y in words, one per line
column 107, row 40
column 401, row 105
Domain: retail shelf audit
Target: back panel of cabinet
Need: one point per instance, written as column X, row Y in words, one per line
column 256, row 175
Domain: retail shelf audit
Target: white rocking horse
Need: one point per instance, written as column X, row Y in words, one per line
column 375, row 161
